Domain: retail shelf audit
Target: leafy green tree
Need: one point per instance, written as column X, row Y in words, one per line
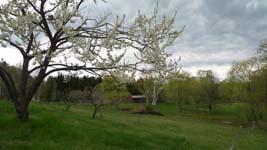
column 114, row 90
column 48, row 90
column 96, row 96
column 263, row 71
column 179, row 89
column 209, row 84
column 232, row 91
column 156, row 76
column 133, row 88
column 258, row 87
column 252, row 74
column 146, row 87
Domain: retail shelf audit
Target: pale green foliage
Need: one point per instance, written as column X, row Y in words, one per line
column 248, row 78
column 233, row 91
column 113, row 90
column 258, row 86
column 97, row 95
column 147, row 88
column 241, row 71
column 180, row 89
column 209, row 85
column 250, row 75
column 155, row 78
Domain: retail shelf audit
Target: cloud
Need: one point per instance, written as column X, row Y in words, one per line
column 219, row 70
column 11, row 55
column 217, row 32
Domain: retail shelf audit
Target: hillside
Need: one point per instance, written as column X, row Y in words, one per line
column 50, row 127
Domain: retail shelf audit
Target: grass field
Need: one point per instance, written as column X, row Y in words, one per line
column 50, row 127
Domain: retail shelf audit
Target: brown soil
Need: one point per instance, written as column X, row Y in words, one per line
column 141, row 110
column 148, row 113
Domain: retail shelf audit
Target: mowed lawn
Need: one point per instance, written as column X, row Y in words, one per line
column 50, row 127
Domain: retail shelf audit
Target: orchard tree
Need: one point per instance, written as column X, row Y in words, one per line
column 133, row 88
column 157, row 75
column 97, row 98
column 145, row 85
column 114, row 89
column 258, row 86
column 263, row 61
column 59, row 35
column 179, row 88
column 231, row 90
column 122, row 78
column 241, row 71
column 106, row 92
column 249, row 73
column 209, row 84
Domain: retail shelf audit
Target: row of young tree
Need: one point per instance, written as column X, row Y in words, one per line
column 246, row 82
column 186, row 89
column 71, row 89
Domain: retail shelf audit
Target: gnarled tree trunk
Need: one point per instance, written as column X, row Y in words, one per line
column 22, row 97
column 22, row 112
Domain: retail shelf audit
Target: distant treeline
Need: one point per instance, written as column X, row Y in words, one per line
column 53, row 87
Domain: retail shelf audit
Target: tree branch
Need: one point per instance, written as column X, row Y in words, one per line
column 16, row 46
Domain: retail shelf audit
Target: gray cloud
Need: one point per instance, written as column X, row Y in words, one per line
column 217, row 32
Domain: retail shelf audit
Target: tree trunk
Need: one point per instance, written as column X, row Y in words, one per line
column 21, row 105
column 94, row 112
column 155, row 97
column 22, row 113
column 210, row 107
column 67, row 106
column 147, row 97
column 117, row 104
column 154, row 103
column 254, row 115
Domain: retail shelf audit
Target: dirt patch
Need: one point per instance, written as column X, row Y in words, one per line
column 141, row 110
column 148, row 113
column 234, row 123
column 144, row 111
column 126, row 109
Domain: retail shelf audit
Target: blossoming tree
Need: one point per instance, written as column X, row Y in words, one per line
column 55, row 35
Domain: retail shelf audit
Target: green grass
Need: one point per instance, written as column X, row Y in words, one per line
column 240, row 113
column 50, row 127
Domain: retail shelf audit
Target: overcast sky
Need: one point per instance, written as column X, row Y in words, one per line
column 217, row 32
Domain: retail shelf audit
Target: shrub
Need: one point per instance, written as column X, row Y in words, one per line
column 148, row 108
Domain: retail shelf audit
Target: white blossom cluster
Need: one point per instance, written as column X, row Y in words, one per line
column 46, row 30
